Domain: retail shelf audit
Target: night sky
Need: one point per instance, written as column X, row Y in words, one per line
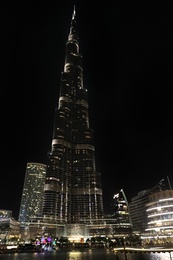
column 127, row 49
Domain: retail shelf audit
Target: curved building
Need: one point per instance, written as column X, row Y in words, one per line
column 160, row 214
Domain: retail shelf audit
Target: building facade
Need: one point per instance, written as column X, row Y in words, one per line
column 9, row 227
column 73, row 189
column 120, row 215
column 32, row 195
column 137, row 209
column 160, row 216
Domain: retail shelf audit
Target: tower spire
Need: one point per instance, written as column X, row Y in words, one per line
column 73, row 27
column 74, row 12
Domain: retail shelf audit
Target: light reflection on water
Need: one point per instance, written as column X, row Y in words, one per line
column 146, row 256
column 76, row 255
column 88, row 254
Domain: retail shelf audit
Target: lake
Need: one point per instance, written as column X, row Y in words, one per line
column 85, row 254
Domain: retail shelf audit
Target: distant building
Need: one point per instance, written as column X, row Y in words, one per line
column 119, row 216
column 9, row 227
column 32, row 195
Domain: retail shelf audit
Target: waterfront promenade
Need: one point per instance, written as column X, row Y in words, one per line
column 140, row 253
column 143, row 250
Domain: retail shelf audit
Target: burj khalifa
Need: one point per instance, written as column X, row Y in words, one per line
column 73, row 188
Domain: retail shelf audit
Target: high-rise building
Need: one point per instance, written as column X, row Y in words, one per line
column 73, row 190
column 72, row 194
column 137, row 209
column 32, row 195
column 120, row 214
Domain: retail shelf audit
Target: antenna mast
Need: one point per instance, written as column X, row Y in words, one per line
column 169, row 183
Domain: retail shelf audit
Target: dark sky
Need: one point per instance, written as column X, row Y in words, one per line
column 127, row 49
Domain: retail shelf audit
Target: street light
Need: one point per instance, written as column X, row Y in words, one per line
column 124, row 245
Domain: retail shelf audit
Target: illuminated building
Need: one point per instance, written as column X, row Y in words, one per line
column 72, row 198
column 117, row 222
column 120, row 214
column 160, row 214
column 32, row 195
column 9, row 227
column 73, row 190
column 137, row 209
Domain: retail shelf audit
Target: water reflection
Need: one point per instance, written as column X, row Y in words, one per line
column 75, row 255
column 88, row 254
column 146, row 256
column 91, row 254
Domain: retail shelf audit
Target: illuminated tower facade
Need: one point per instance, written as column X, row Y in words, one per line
column 73, row 190
column 32, row 195
column 120, row 214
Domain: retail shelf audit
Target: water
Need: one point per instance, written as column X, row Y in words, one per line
column 145, row 256
column 85, row 254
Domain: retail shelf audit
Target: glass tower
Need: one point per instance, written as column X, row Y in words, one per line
column 32, row 195
column 72, row 190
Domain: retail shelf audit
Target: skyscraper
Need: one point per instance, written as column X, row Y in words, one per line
column 32, row 195
column 73, row 190
column 120, row 214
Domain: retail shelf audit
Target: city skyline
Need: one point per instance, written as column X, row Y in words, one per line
column 127, row 62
